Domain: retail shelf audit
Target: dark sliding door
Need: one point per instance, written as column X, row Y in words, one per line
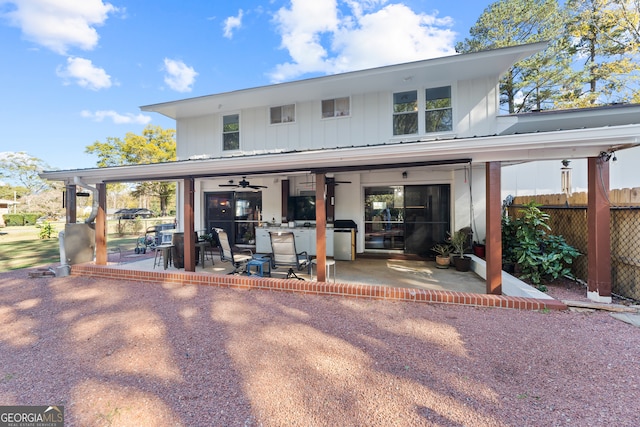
column 237, row 213
column 219, row 212
column 427, row 217
column 410, row 219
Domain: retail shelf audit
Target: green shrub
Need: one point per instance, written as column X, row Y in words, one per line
column 46, row 230
column 30, row 219
column 137, row 225
column 121, row 228
column 13, row 219
column 20, row 219
column 129, row 226
column 527, row 242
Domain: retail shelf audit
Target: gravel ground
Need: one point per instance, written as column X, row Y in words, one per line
column 134, row 354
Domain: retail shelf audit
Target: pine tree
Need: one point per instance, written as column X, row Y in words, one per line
column 533, row 82
column 604, row 44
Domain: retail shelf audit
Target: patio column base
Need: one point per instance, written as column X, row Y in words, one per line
column 596, row 297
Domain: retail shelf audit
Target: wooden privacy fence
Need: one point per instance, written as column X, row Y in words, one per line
column 571, row 223
column 620, row 197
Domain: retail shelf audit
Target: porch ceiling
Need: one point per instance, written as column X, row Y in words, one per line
column 558, row 145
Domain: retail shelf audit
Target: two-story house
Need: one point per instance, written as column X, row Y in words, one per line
column 408, row 152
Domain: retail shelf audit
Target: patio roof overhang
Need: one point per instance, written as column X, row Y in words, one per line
column 556, row 145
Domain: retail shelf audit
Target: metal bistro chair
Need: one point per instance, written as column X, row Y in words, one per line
column 227, row 253
column 283, row 253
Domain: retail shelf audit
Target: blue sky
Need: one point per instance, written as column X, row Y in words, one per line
column 76, row 71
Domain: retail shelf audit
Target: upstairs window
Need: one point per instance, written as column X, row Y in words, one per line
column 338, row 107
column 405, row 113
column 438, row 113
column 283, row 114
column 231, row 132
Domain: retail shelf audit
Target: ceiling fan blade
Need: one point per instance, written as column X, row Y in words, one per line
column 334, row 181
column 228, row 185
column 256, row 187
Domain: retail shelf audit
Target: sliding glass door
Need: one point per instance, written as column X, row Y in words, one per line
column 427, row 217
column 383, row 225
column 237, row 213
column 408, row 219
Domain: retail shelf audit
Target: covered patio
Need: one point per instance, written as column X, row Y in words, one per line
column 470, row 166
column 369, row 278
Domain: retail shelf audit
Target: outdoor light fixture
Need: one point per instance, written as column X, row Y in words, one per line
column 605, row 156
column 565, row 178
column 404, row 175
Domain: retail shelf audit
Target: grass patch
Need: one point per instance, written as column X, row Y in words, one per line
column 20, row 247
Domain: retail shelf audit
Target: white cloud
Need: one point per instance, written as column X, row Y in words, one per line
column 232, row 23
column 179, row 77
column 59, row 25
column 116, row 117
column 321, row 38
column 85, row 74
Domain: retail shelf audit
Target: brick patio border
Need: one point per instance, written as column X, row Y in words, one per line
column 319, row 288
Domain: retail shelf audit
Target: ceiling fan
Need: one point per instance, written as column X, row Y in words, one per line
column 242, row 184
column 331, row 180
column 328, row 180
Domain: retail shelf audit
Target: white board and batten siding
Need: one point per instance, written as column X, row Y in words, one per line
column 475, row 105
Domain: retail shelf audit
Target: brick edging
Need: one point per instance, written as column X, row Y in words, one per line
column 319, row 288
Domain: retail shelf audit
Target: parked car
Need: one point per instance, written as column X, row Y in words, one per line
column 46, row 218
column 134, row 213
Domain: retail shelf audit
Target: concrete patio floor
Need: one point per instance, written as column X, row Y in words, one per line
column 413, row 274
column 370, row 278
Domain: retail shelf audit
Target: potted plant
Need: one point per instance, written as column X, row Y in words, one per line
column 460, row 242
column 479, row 249
column 443, row 257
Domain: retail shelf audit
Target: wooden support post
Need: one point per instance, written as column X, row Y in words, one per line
column 494, row 229
column 599, row 233
column 321, row 228
column 189, row 226
column 101, row 225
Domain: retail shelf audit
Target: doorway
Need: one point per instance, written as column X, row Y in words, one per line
column 237, row 213
column 406, row 219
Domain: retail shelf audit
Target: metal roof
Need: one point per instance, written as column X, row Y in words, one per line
column 552, row 145
column 578, row 118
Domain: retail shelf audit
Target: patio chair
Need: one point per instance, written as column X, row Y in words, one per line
column 283, row 253
column 238, row 259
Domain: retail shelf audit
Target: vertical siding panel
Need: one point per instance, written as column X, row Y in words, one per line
column 475, row 107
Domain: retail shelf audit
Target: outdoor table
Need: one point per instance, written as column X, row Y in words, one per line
column 203, row 245
column 165, row 251
column 328, row 264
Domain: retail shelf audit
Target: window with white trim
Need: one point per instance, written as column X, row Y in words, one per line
column 405, row 113
column 337, row 107
column 231, row 132
column 283, row 114
column 438, row 113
